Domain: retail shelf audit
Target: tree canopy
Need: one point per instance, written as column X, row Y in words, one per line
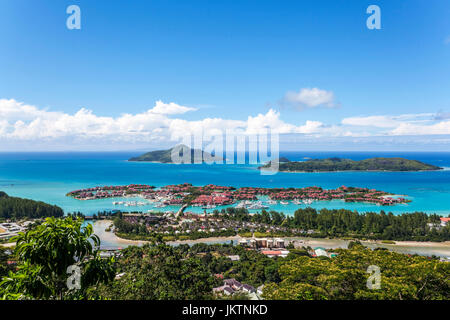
column 17, row 208
column 44, row 255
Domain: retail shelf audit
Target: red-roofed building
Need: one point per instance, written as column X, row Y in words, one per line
column 444, row 221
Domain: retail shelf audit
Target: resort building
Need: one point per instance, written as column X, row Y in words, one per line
column 275, row 253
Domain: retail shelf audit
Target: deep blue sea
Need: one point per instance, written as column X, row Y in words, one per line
column 49, row 176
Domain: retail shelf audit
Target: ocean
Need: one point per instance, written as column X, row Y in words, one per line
column 49, row 176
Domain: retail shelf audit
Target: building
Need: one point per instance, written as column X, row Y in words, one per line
column 279, row 243
column 445, row 221
column 320, row 252
column 275, row 253
column 263, row 243
column 243, row 242
column 233, row 257
column 231, row 286
column 248, row 288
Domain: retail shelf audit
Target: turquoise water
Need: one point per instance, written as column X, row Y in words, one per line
column 49, row 176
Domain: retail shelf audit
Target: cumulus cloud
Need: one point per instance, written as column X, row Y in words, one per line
column 22, row 122
column 442, row 127
column 310, row 98
column 169, row 108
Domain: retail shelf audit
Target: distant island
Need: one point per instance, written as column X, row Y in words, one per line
column 338, row 164
column 165, row 156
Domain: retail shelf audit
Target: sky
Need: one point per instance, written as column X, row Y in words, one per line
column 145, row 74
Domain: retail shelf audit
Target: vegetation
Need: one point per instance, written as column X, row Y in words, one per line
column 165, row 156
column 345, row 277
column 44, row 254
column 338, row 164
column 138, row 231
column 416, row 226
column 4, row 266
column 159, row 271
column 17, row 208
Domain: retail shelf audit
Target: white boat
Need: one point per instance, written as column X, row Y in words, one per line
column 160, row 205
column 240, row 205
column 284, row 202
column 297, row 202
column 272, row 202
column 257, row 205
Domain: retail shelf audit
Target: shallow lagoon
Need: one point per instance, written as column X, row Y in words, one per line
column 49, row 176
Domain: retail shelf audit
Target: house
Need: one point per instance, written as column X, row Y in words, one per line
column 233, row 257
column 320, row 252
column 243, row 242
column 233, row 283
column 248, row 288
column 230, row 286
column 279, row 243
column 228, row 291
column 259, row 290
column 444, row 221
column 275, row 253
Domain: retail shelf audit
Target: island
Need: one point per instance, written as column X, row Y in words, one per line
column 165, row 156
column 338, row 164
column 210, row 196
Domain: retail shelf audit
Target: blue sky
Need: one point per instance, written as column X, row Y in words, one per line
column 228, row 60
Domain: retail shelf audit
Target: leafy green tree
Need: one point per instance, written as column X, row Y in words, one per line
column 345, row 277
column 160, row 272
column 44, row 254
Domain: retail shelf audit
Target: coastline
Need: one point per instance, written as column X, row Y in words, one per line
column 406, row 247
column 341, row 171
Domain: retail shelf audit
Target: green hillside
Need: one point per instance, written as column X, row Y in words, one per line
column 372, row 164
column 18, row 208
column 165, row 156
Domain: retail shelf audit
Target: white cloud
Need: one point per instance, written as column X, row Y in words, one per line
column 371, row 121
column 169, row 108
column 442, row 127
column 28, row 125
column 388, row 121
column 310, row 98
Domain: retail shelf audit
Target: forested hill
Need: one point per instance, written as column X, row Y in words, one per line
column 165, row 156
column 372, row 164
column 17, row 208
